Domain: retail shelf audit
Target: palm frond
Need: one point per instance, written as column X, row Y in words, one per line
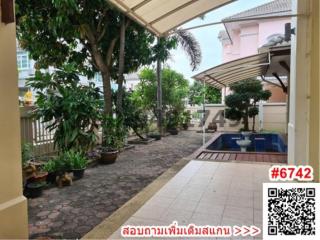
column 189, row 43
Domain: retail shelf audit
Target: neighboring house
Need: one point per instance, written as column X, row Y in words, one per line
column 244, row 38
column 26, row 69
column 131, row 81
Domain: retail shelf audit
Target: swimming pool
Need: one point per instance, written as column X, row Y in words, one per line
column 260, row 142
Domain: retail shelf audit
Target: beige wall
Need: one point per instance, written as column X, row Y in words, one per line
column 13, row 206
column 273, row 118
column 314, row 148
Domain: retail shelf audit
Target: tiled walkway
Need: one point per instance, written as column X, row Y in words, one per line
column 207, row 193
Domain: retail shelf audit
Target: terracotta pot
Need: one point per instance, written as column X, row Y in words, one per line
column 108, row 157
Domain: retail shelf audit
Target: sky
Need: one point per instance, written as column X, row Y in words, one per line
column 207, row 37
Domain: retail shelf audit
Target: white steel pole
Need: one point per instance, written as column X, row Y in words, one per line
column 203, row 114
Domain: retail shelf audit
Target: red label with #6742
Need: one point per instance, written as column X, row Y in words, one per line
column 291, row 173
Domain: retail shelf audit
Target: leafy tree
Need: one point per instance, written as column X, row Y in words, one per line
column 175, row 90
column 242, row 103
column 135, row 117
column 87, row 34
column 71, row 110
column 212, row 95
column 84, row 33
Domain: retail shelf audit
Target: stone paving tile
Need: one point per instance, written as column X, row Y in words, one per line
column 71, row 212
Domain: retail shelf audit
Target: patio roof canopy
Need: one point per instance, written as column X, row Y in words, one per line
column 162, row 16
column 225, row 74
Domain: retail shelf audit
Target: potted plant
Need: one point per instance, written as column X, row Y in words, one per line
column 172, row 122
column 34, row 189
column 51, row 167
column 186, row 118
column 77, row 162
column 113, row 139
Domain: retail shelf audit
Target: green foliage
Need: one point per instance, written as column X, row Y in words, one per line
column 174, row 89
column 52, row 30
column 135, row 117
column 50, row 166
column 173, row 119
column 58, row 164
column 75, row 160
column 113, row 133
column 242, row 102
column 196, row 92
column 65, row 161
column 187, row 42
column 26, row 153
column 185, row 117
column 70, row 109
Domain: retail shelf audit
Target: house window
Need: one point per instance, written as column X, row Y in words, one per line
column 23, row 61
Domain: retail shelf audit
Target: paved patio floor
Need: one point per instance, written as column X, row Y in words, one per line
column 207, row 193
column 71, row 212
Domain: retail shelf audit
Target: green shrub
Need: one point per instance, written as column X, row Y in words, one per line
column 186, row 117
column 114, row 133
column 75, row 160
column 26, row 153
column 71, row 110
column 50, row 166
column 173, row 119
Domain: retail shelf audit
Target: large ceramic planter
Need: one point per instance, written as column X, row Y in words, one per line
column 78, row 173
column 185, row 126
column 108, row 157
column 173, row 131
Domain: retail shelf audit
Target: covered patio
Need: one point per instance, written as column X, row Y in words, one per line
column 201, row 193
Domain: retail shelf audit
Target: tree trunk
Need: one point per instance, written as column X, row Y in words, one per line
column 121, row 67
column 107, row 94
column 253, row 123
column 254, row 119
column 159, row 94
column 246, row 120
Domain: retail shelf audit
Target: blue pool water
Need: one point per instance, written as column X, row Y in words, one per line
column 260, row 142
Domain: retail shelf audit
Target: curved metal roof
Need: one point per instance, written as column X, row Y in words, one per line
column 162, row 16
column 227, row 73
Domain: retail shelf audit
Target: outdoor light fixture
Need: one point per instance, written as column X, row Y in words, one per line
column 7, row 11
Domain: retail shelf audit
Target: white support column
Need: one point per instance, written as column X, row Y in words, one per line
column 298, row 125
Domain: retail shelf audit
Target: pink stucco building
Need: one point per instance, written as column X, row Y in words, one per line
column 244, row 38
